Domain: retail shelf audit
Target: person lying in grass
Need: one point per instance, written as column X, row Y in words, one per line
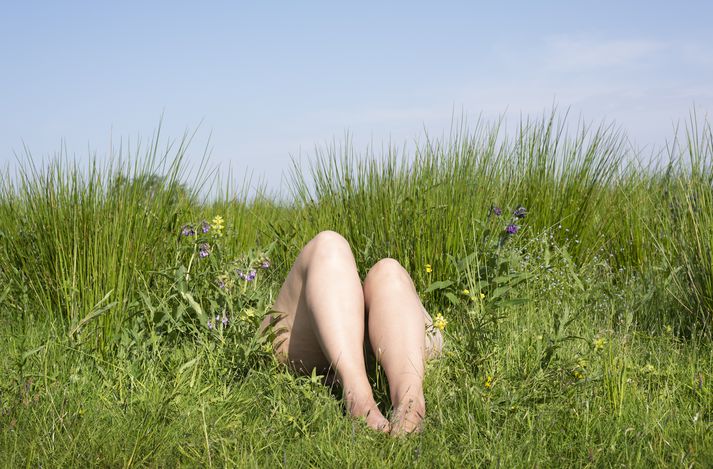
column 325, row 319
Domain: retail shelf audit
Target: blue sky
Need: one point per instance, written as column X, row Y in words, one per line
column 271, row 80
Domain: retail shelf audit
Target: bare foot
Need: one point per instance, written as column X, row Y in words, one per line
column 408, row 415
column 365, row 406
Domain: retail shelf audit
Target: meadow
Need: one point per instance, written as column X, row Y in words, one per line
column 574, row 275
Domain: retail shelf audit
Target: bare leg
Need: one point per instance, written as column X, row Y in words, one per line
column 323, row 322
column 397, row 332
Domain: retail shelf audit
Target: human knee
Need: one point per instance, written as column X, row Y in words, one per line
column 387, row 271
column 330, row 244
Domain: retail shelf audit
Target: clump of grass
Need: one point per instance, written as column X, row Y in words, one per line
column 585, row 184
column 77, row 237
column 687, row 215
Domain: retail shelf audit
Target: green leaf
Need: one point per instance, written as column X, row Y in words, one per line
column 29, row 353
column 195, row 305
column 180, row 311
column 4, row 295
column 440, row 285
column 481, row 284
column 453, row 299
column 147, row 303
column 180, row 279
column 95, row 312
column 501, row 279
column 187, row 365
column 514, row 302
column 500, row 291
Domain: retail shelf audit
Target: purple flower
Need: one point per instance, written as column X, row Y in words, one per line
column 225, row 320
column 512, row 229
column 265, row 264
column 251, row 276
column 188, row 230
column 203, row 250
column 210, row 324
column 240, row 273
column 497, row 211
column 205, row 227
column 221, row 283
column 520, row 212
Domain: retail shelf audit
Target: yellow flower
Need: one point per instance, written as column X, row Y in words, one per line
column 247, row 314
column 428, row 268
column 466, row 292
column 217, row 224
column 439, row 322
column 669, row 329
column 475, row 297
column 599, row 343
column 649, row 368
column 488, row 382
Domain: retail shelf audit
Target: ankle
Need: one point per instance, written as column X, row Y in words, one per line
column 357, row 393
column 407, row 392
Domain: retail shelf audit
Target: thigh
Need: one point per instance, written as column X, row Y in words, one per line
column 291, row 320
column 294, row 341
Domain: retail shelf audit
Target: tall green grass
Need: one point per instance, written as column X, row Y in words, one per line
column 75, row 238
column 78, row 242
column 584, row 187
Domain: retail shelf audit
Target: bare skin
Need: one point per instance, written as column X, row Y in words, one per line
column 325, row 312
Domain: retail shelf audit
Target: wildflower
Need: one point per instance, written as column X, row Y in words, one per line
column 599, row 343
column 669, row 329
column 497, row 211
column 488, row 382
column 240, row 273
column 578, row 374
column 439, row 322
column 512, row 229
column 265, row 264
column 649, row 368
column 210, row 324
column 225, row 282
column 466, row 291
column 217, row 225
column 250, row 276
column 187, row 230
column 428, row 268
column 482, row 295
column 224, row 321
column 205, row 227
column 203, row 250
column 520, row 212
